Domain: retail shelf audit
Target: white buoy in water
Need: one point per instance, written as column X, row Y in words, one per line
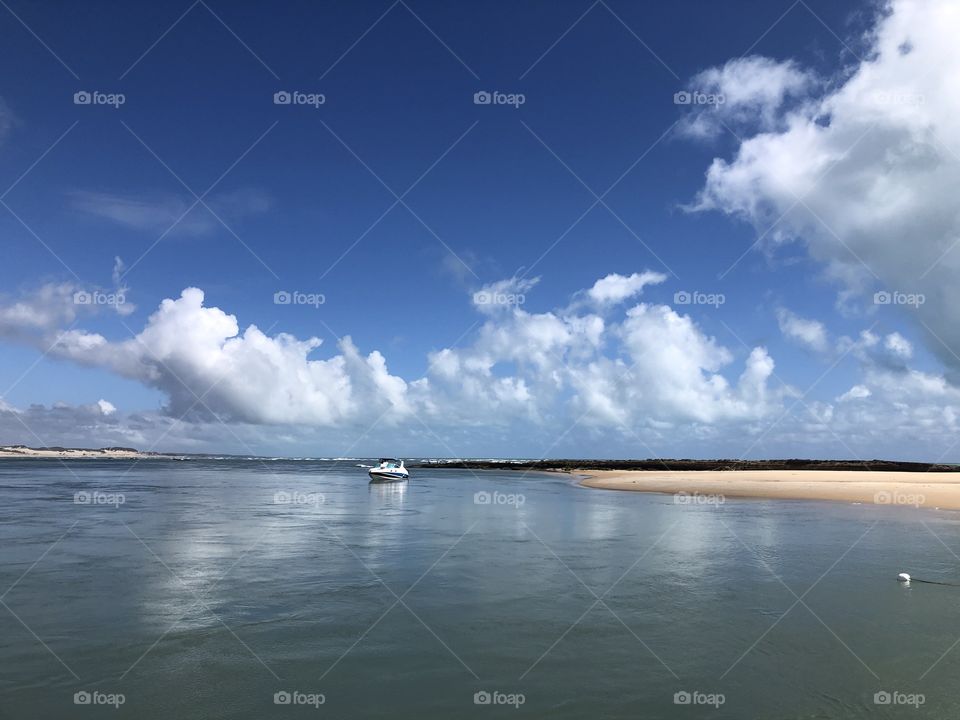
column 903, row 577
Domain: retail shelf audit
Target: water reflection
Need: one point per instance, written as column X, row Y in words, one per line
column 389, row 491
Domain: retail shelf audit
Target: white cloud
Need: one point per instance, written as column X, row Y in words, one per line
column 521, row 366
column 503, row 294
column 49, row 306
column 809, row 333
column 898, row 345
column 614, row 288
column 857, row 392
column 750, row 91
column 874, row 161
column 649, row 378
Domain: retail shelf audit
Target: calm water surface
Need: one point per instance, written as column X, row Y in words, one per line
column 202, row 596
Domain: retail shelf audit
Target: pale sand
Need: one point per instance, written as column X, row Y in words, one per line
column 20, row 452
column 930, row 489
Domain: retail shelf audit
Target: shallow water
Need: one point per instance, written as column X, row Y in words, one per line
column 201, row 596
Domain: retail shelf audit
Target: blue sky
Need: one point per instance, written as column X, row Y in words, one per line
column 305, row 198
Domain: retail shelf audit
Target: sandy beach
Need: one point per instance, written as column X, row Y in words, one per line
column 918, row 489
column 21, row 452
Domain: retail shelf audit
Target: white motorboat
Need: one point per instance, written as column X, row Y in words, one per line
column 389, row 469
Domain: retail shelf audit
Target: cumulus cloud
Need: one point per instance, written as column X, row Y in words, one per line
column 749, row 92
column 614, row 288
column 46, row 307
column 857, row 392
column 503, row 294
column 811, row 334
column 521, row 366
column 864, row 175
column 648, row 377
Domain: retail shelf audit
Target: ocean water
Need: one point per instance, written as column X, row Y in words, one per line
column 276, row 589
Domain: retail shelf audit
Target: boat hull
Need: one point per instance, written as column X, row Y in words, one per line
column 387, row 475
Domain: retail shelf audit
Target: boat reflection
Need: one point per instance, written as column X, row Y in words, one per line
column 393, row 491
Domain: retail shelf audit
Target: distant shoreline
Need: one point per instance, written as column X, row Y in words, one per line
column 20, row 452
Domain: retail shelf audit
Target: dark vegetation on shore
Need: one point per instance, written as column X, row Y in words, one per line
column 672, row 464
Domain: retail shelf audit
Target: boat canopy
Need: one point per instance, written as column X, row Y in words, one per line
column 389, row 460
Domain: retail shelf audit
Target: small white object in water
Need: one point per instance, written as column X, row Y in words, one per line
column 903, row 577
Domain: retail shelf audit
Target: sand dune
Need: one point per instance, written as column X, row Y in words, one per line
column 21, row 451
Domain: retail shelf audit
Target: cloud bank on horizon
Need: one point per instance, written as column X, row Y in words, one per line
column 643, row 372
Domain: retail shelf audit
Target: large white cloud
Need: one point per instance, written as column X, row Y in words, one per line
column 646, row 378
column 652, row 365
column 865, row 174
